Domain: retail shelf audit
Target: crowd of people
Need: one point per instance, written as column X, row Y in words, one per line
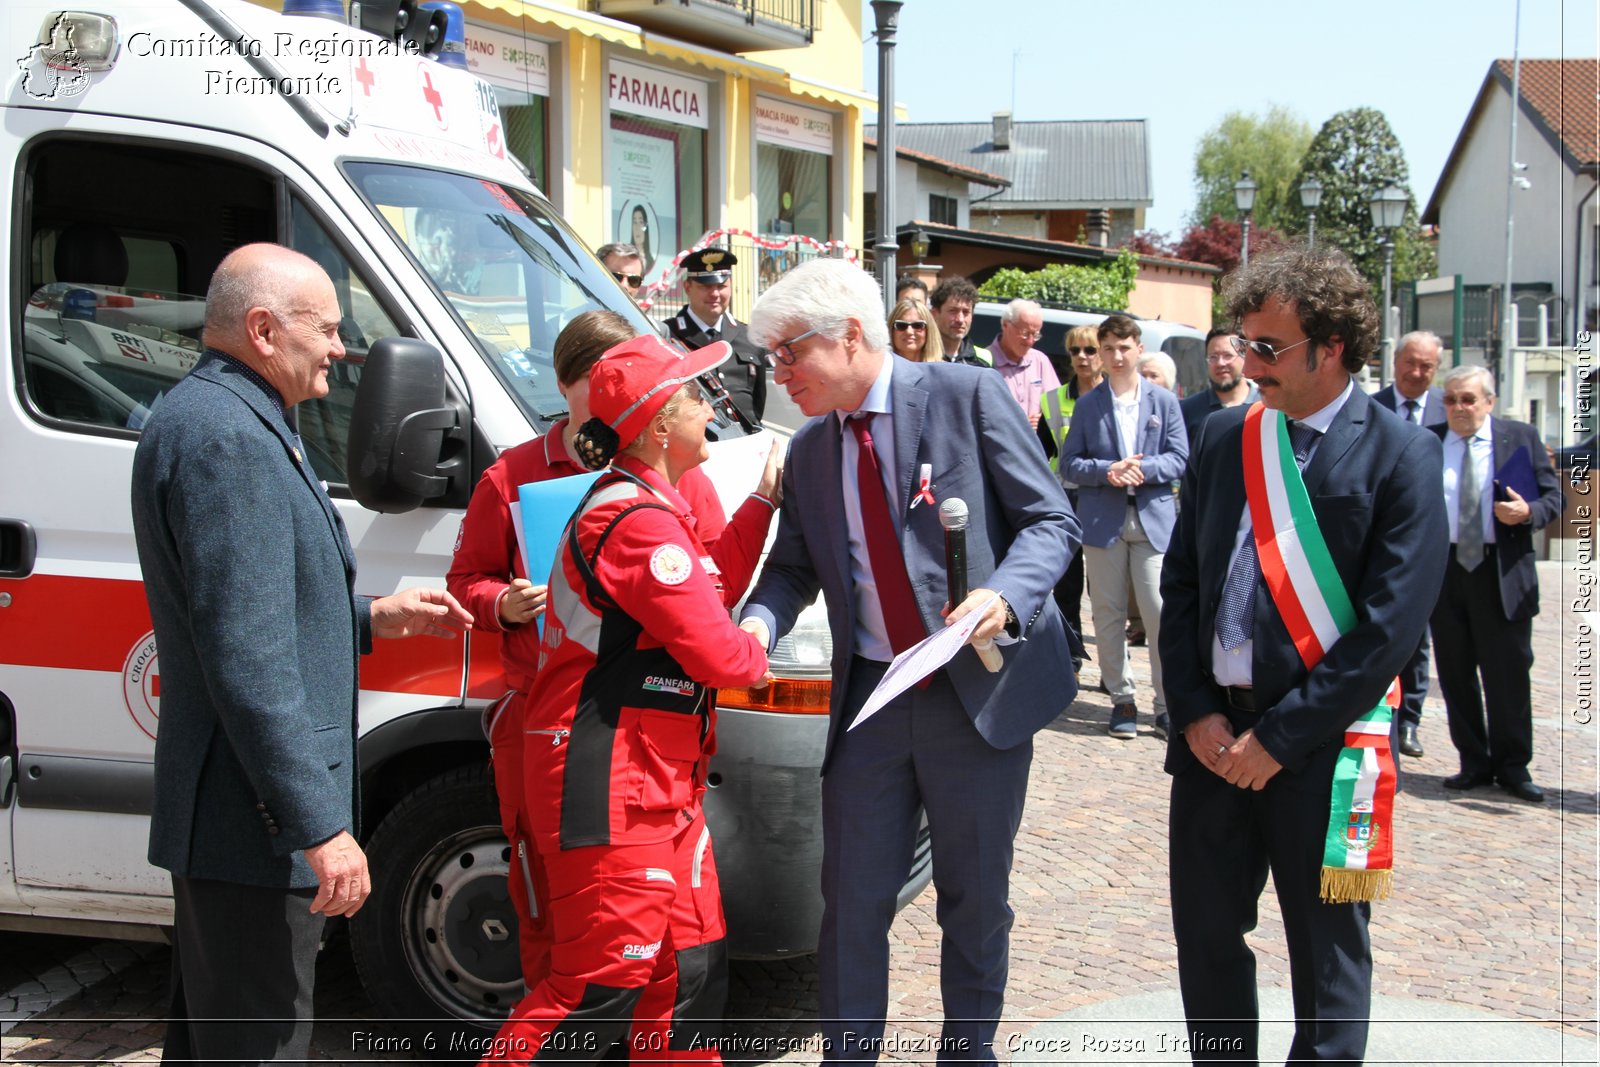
column 1287, row 540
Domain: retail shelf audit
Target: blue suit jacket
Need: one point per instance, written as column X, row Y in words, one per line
column 963, row 422
column 1432, row 404
column 250, row 575
column 1372, row 485
column 1093, row 444
column 1519, row 579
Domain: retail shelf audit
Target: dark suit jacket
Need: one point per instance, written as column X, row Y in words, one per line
column 1432, row 404
column 1197, row 407
column 249, row 574
column 1371, row 483
column 963, row 422
column 745, row 375
column 1519, row 579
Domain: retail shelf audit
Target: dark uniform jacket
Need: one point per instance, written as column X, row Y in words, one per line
column 744, row 375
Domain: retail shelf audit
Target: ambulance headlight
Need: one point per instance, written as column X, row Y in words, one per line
column 79, row 40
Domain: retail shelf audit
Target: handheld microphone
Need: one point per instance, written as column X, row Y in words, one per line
column 953, row 517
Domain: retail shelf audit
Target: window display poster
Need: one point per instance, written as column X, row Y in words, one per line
column 644, row 188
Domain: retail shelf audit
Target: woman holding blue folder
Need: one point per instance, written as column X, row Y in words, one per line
column 620, row 724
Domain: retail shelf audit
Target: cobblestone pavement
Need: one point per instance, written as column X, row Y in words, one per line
column 1494, row 906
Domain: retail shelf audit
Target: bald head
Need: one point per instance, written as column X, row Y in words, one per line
column 276, row 310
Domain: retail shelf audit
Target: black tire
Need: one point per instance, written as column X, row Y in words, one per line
column 437, row 940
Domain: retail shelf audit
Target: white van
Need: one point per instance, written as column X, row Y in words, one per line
column 148, row 140
column 1185, row 344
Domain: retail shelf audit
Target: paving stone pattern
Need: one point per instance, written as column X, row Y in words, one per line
column 1494, row 906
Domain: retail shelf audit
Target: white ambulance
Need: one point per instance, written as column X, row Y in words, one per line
column 145, row 141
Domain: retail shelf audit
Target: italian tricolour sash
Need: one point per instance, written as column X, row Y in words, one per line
column 1358, row 855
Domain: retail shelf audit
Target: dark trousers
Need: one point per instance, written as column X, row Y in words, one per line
column 1414, row 684
column 1069, row 598
column 920, row 753
column 1483, row 660
column 1223, row 841
column 243, row 967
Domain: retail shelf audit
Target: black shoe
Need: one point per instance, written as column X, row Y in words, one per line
column 1466, row 780
column 1524, row 791
column 1161, row 726
column 1409, row 745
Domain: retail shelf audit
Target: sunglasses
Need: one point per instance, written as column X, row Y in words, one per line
column 1266, row 353
column 1087, row 350
column 634, row 280
column 784, row 353
column 902, row 325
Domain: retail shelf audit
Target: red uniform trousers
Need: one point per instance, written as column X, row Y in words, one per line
column 637, row 954
column 526, row 877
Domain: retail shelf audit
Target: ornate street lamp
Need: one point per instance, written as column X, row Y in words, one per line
column 1244, row 198
column 919, row 245
column 1310, row 199
column 1388, row 206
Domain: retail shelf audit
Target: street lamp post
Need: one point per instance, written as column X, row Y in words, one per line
column 887, row 14
column 1244, row 198
column 1388, row 206
column 1310, row 199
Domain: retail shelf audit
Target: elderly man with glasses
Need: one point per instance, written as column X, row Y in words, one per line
column 1027, row 371
column 707, row 318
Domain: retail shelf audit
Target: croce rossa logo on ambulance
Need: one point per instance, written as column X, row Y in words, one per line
column 141, row 684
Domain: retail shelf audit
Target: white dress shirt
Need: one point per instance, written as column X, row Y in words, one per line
column 1483, row 463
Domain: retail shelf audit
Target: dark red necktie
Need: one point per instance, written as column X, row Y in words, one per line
column 901, row 616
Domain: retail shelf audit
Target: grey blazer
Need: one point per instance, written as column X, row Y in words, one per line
column 962, row 422
column 250, row 578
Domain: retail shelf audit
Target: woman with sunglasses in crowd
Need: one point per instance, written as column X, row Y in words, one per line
column 911, row 332
column 620, row 726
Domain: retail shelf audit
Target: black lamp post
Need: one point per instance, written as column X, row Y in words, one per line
column 1244, row 198
column 1310, row 198
column 887, row 14
column 1388, row 206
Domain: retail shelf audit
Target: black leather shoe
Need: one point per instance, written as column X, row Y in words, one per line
column 1466, row 781
column 1524, row 791
column 1409, row 745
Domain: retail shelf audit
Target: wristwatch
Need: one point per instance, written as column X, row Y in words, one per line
column 1013, row 625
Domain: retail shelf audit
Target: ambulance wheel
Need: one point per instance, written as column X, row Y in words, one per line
column 437, row 940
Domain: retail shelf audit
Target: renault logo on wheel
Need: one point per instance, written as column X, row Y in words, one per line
column 495, row 930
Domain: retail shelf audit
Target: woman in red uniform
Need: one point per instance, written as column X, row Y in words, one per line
column 487, row 576
column 620, row 724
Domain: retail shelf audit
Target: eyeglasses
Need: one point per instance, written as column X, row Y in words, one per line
column 1025, row 334
column 1087, row 350
column 634, row 280
column 1268, row 354
column 902, row 325
column 784, row 353
column 1465, row 400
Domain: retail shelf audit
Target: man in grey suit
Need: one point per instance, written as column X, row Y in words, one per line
column 1413, row 396
column 250, row 578
column 860, row 522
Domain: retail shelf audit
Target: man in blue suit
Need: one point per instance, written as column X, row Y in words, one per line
column 250, row 578
column 1413, row 396
column 1126, row 447
column 860, row 523
column 1257, row 734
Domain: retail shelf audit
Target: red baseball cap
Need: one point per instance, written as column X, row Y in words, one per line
column 634, row 380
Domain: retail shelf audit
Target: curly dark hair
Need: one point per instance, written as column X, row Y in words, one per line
column 1330, row 296
column 954, row 288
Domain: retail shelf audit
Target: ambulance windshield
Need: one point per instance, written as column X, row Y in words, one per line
column 511, row 269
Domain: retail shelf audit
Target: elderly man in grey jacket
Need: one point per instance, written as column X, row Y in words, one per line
column 250, row 577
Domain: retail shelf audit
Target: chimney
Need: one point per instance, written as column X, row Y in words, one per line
column 1098, row 226
column 1002, row 130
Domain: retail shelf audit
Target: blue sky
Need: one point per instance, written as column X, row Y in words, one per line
column 1183, row 64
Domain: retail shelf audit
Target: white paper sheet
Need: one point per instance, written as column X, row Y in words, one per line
column 921, row 660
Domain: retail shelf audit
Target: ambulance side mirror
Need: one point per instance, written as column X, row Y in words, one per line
column 407, row 436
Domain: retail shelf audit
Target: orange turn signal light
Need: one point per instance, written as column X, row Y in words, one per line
column 790, row 696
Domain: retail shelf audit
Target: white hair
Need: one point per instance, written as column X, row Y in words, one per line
column 825, row 295
column 1163, row 363
column 1462, row 373
column 1014, row 309
column 1420, row 337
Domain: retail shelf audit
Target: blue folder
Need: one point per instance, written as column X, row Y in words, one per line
column 546, row 507
column 1517, row 473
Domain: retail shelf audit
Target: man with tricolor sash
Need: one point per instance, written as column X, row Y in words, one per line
column 1308, row 554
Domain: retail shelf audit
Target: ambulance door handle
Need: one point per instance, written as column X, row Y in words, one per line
column 17, row 548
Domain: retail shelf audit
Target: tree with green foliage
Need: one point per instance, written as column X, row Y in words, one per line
column 1106, row 286
column 1270, row 147
column 1354, row 155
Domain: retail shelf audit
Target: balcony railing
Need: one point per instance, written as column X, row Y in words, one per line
column 728, row 25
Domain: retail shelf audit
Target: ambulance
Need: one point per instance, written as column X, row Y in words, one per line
column 147, row 140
